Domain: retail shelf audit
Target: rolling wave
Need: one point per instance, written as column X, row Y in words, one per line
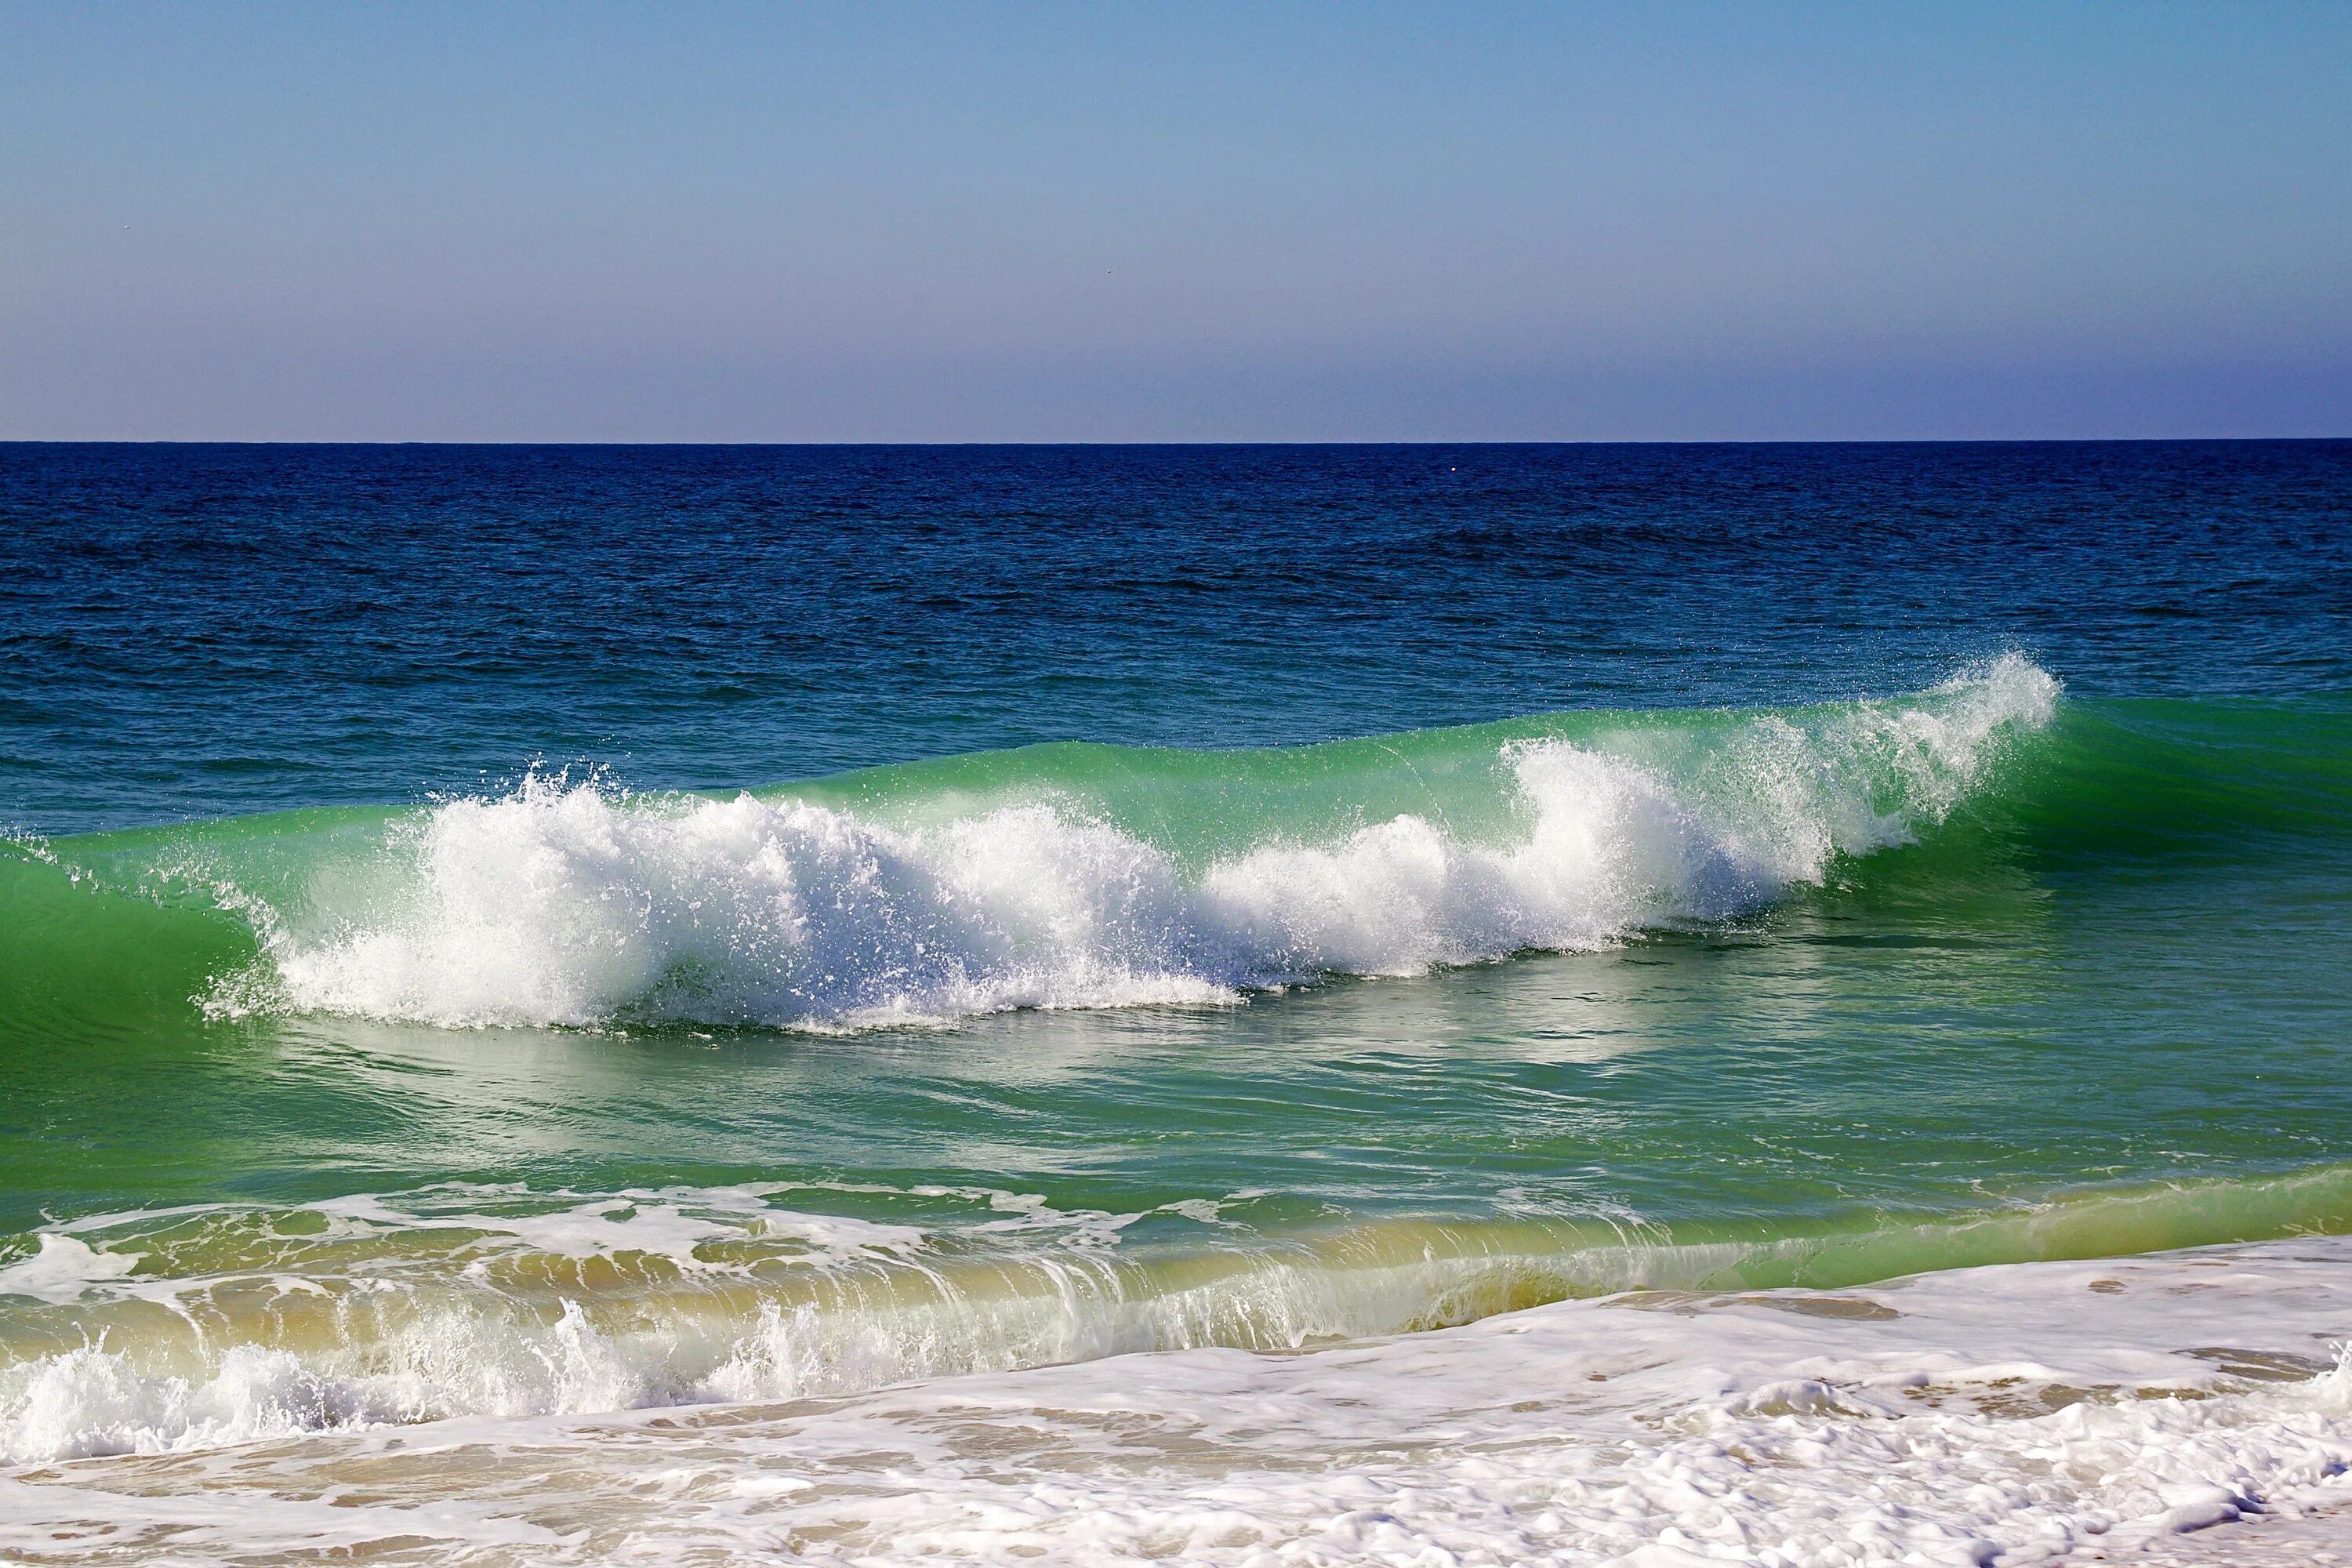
column 164, row 1333
column 1094, row 877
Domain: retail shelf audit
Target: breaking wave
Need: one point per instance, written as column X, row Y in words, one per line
column 570, row 904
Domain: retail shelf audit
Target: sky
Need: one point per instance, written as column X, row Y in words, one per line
column 1175, row 222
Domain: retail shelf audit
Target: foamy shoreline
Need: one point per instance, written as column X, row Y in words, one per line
column 2123, row 1409
column 2310, row 1533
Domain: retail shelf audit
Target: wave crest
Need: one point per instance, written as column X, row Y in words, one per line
column 572, row 904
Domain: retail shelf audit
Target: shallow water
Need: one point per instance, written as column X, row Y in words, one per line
column 2021, row 1412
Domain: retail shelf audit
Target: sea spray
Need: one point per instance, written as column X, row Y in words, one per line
column 572, row 904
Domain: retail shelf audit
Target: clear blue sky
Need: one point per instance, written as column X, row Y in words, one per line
column 1174, row 222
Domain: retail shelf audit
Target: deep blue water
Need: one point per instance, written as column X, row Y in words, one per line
column 204, row 630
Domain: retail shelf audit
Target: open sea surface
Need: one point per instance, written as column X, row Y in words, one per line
column 1421, row 1004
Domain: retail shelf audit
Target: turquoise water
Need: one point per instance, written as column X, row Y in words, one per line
column 1000, row 1055
column 2091, row 1006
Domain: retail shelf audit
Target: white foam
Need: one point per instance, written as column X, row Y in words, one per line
column 572, row 906
column 64, row 1268
column 91, row 1401
column 468, row 1298
column 2013, row 1413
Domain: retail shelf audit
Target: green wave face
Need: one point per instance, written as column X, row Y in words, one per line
column 1095, row 875
column 1058, row 876
column 1046, row 1053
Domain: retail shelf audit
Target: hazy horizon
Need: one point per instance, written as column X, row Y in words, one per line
column 731, row 224
column 1180, row 442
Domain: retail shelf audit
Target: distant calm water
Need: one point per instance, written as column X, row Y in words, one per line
column 501, row 935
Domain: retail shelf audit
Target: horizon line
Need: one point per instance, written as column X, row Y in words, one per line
column 7, row 441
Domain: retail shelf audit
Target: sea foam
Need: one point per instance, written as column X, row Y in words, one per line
column 1960, row 1418
column 569, row 904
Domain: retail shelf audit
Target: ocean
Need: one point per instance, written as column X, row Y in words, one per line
column 1779, row 1005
